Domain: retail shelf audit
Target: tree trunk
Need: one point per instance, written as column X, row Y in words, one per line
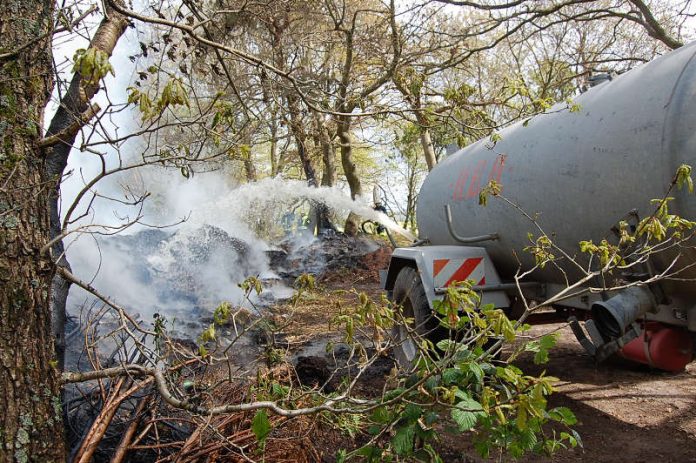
column 349, row 169
column 328, row 152
column 427, row 143
column 248, row 158
column 329, row 175
column 274, row 146
column 300, row 135
column 72, row 114
column 320, row 213
column 249, row 166
column 30, row 421
column 416, row 104
column 653, row 27
column 409, row 221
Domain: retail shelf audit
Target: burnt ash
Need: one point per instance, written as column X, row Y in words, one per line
column 328, row 253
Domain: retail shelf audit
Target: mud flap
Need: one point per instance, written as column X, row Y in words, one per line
column 595, row 345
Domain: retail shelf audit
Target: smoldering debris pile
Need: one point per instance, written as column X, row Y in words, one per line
column 124, row 417
column 320, row 256
column 184, row 275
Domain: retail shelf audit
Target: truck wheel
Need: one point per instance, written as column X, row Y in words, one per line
column 409, row 294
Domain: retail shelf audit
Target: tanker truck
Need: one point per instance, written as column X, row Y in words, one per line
column 577, row 173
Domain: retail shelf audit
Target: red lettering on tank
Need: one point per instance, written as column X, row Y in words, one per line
column 475, row 185
column 473, row 179
column 498, row 166
column 458, row 193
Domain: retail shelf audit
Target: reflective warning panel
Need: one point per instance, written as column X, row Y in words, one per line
column 447, row 271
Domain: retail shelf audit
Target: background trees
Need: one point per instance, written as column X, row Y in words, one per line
column 259, row 88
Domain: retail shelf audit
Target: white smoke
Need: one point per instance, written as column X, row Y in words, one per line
column 133, row 275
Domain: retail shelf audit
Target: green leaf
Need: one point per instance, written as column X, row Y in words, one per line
column 475, row 369
column 684, row 177
column 208, row 334
column 541, row 357
column 222, row 313
column 541, row 347
column 445, row 344
column 509, row 374
column 571, row 440
column 528, row 438
column 563, row 415
column 92, row 64
column 464, row 419
column 521, row 420
column 431, row 418
column 381, row 415
column 261, row 426
column 279, row 390
column 451, row 376
column 403, row 440
column 431, row 383
column 412, row 412
column 370, row 452
column 483, row 198
column 389, row 395
column 467, row 411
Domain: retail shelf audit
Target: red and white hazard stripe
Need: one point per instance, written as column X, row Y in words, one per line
column 447, row 271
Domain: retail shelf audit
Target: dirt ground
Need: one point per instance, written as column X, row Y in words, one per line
column 626, row 412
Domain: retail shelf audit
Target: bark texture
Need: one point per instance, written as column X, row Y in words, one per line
column 653, row 26
column 30, row 421
column 352, row 226
column 74, row 112
column 427, row 144
column 328, row 153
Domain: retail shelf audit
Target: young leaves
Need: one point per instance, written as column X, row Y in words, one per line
column 92, row 64
column 173, row 94
column 541, row 249
column 493, row 188
column 683, row 177
column 541, row 347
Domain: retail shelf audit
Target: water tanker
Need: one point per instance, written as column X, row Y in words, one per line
column 579, row 174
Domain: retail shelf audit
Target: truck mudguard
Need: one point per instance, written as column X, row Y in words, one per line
column 440, row 266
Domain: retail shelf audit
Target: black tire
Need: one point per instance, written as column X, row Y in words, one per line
column 409, row 295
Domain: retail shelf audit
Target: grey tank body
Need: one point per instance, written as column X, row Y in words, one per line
column 581, row 172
